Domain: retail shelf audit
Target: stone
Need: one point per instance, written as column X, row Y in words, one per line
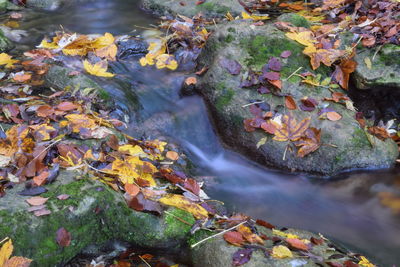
column 384, row 71
column 253, row 47
column 210, row 8
column 93, row 214
column 5, row 43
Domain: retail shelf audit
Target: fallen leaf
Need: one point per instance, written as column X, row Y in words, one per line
column 6, row 251
column 290, row 130
column 36, row 201
column 7, row 60
column 333, row 116
column 296, row 243
column 63, row 197
column 380, row 132
column 342, row 72
column 241, row 256
column 132, row 189
column 172, row 155
column 191, row 81
column 290, row 103
column 286, row 54
column 249, row 235
column 232, row 66
column 181, row 202
column 234, row 238
column 98, row 69
column 281, row 252
column 63, row 237
column 18, row 262
column 310, row 142
column 41, row 212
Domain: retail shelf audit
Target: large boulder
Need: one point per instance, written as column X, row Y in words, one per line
column 346, row 145
column 210, row 8
column 93, row 214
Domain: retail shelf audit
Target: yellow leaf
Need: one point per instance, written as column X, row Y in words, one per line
column 79, row 121
column 105, row 47
column 166, row 61
column 305, row 38
column 103, row 41
column 98, row 69
column 365, row 262
column 5, row 252
column 283, row 234
column 7, row 60
column 368, row 62
column 47, row 45
column 183, row 203
column 281, row 252
column 135, row 151
column 254, row 17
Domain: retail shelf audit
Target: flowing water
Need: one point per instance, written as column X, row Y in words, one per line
column 347, row 208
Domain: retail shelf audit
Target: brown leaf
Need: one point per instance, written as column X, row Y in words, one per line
column 234, row 238
column 63, row 237
column 191, row 81
column 18, row 262
column 343, row 71
column 232, row 66
column 67, row 106
column 290, row 103
column 41, row 212
column 36, row 201
column 380, row 132
column 132, row 189
column 45, row 111
column 333, row 116
column 296, row 243
column 290, row 129
column 192, row 185
column 172, row 155
column 276, row 83
column 249, row 235
column 265, row 224
column 310, row 142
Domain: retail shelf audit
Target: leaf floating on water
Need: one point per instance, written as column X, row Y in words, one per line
column 281, row 252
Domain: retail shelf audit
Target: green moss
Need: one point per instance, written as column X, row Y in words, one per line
column 229, row 38
column 224, row 99
column 199, row 235
column 359, row 139
column 103, row 94
column 175, row 227
column 296, row 20
column 212, row 8
column 233, row 30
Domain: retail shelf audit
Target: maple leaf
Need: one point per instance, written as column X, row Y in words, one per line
column 98, row 69
column 7, row 60
column 166, row 61
column 183, row 203
column 310, row 142
column 105, row 47
column 290, row 130
column 249, row 235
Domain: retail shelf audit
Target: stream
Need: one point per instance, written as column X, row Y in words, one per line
column 346, row 208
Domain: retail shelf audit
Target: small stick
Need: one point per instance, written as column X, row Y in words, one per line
column 217, row 234
column 46, row 148
column 376, row 52
column 254, row 103
column 290, row 76
column 144, row 261
column 335, row 146
column 179, row 219
column 284, row 154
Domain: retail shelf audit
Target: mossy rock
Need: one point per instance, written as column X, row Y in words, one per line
column 216, row 252
column 252, row 47
column 5, row 43
column 93, row 214
column 210, row 8
column 384, row 71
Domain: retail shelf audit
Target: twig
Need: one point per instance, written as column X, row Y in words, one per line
column 376, row 52
column 290, row 76
column 217, row 234
column 144, row 261
column 179, row 219
column 254, row 103
column 46, row 148
column 335, row 146
column 4, row 240
column 284, row 154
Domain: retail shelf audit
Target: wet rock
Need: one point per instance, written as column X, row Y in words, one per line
column 189, row 8
column 216, row 252
column 93, row 214
column 252, row 47
column 131, row 47
column 45, row 4
column 384, row 70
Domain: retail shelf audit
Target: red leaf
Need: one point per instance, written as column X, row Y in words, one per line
column 290, row 103
column 234, row 238
column 265, row 224
column 63, row 237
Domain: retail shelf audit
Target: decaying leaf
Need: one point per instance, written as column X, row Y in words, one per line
column 281, row 252
column 63, row 237
column 290, row 130
column 234, row 238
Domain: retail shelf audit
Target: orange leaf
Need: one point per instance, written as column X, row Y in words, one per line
column 67, row 106
column 18, row 262
column 234, row 238
column 276, row 83
column 333, row 116
column 132, row 189
column 296, row 243
column 290, row 130
column 36, row 201
column 343, row 71
column 290, row 103
column 172, row 155
column 249, row 235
